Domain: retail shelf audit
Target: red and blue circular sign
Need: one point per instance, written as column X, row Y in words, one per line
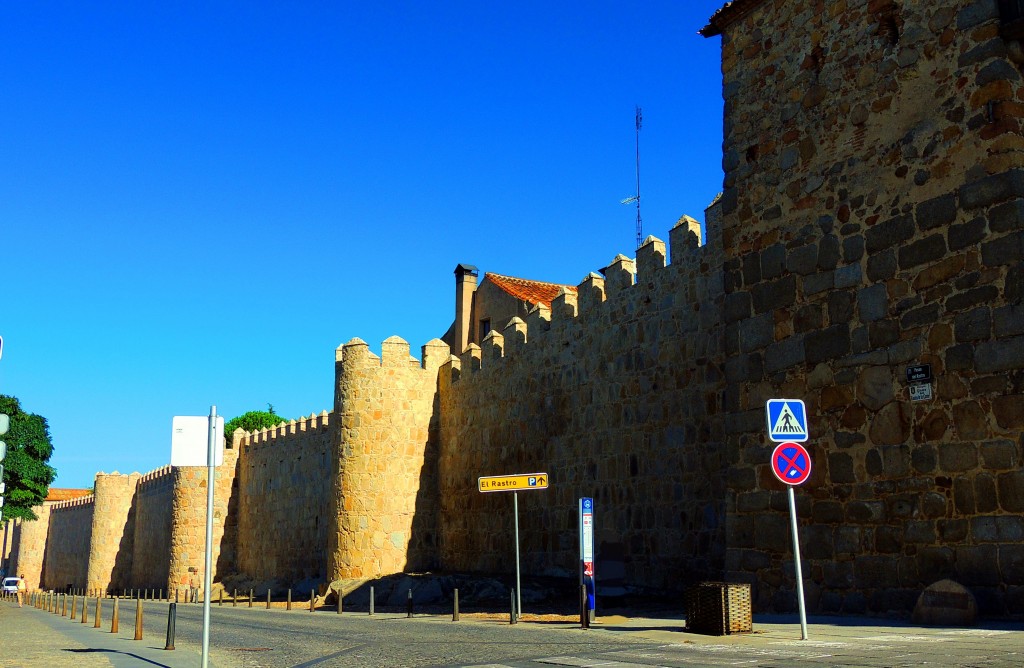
column 791, row 463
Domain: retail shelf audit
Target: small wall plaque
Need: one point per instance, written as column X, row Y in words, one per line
column 919, row 373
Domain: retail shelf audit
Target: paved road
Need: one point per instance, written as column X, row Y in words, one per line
column 258, row 638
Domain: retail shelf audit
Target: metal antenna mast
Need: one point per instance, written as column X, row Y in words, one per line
column 636, row 198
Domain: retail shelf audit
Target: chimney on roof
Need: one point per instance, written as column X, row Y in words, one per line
column 465, row 286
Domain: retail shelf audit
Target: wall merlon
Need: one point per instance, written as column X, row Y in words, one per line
column 394, row 352
column 493, row 347
column 435, row 353
column 650, row 257
column 684, row 239
column 452, row 369
column 591, row 292
column 618, row 275
column 470, row 359
column 563, row 307
column 538, row 320
column 515, row 335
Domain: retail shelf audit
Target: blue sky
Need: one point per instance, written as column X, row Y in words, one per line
column 200, row 201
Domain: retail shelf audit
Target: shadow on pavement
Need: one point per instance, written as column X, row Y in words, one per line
column 114, row 651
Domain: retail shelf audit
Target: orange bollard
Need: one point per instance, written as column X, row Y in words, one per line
column 138, row 620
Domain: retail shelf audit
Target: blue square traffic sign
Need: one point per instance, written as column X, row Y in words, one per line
column 787, row 420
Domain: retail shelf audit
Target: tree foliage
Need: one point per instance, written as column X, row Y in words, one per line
column 252, row 421
column 26, row 471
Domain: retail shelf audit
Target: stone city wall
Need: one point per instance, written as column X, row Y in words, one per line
column 113, row 532
column 67, row 544
column 28, row 546
column 152, row 515
column 188, row 523
column 616, row 396
column 873, row 220
column 384, row 497
column 282, row 496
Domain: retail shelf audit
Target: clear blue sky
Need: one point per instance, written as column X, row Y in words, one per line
column 200, row 201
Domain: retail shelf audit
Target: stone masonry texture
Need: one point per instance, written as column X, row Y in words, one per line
column 871, row 219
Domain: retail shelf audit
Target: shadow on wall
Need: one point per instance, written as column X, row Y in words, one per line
column 227, row 559
column 121, row 573
column 423, row 539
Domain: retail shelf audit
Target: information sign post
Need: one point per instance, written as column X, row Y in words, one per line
column 189, row 435
column 791, row 463
column 587, row 555
column 514, row 483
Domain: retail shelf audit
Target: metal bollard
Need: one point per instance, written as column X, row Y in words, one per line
column 268, row 598
column 455, row 609
column 408, row 604
column 176, row 592
column 312, row 600
column 289, row 606
column 341, row 600
column 584, row 610
column 234, row 598
column 250, row 598
column 138, row 619
column 220, row 599
column 74, row 604
column 371, row 600
column 512, row 610
column 114, row 619
column 85, row 610
column 172, row 612
column 64, row 606
column 99, row 613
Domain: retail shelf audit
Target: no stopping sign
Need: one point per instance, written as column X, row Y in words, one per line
column 791, row 463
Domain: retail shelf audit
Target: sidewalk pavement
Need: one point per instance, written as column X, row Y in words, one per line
column 832, row 641
column 35, row 638
column 32, row 637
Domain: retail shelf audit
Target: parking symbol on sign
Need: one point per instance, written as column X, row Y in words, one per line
column 532, row 482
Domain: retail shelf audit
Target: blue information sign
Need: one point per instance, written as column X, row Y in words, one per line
column 787, row 420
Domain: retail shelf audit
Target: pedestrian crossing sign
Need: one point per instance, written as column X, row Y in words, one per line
column 787, row 420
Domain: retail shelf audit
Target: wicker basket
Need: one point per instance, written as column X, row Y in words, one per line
column 719, row 608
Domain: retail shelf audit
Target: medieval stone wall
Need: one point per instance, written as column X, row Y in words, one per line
column 188, row 522
column 67, row 544
column 113, row 532
column 151, row 546
column 383, row 502
column 873, row 220
column 616, row 395
column 283, row 492
column 28, row 547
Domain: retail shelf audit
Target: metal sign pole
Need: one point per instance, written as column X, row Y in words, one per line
column 208, row 575
column 796, row 559
column 519, row 593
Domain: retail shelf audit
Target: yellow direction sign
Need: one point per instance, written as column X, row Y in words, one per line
column 512, row 483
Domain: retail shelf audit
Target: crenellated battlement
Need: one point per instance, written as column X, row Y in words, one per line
column 395, row 353
column 270, row 435
column 157, row 475
column 89, row 500
column 692, row 274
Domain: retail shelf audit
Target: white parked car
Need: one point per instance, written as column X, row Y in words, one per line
column 10, row 585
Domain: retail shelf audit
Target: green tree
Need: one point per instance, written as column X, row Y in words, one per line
column 252, row 421
column 26, row 472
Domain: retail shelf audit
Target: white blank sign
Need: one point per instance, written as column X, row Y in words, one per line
column 190, row 440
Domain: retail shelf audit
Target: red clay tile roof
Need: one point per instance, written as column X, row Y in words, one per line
column 65, row 494
column 730, row 12
column 530, row 291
